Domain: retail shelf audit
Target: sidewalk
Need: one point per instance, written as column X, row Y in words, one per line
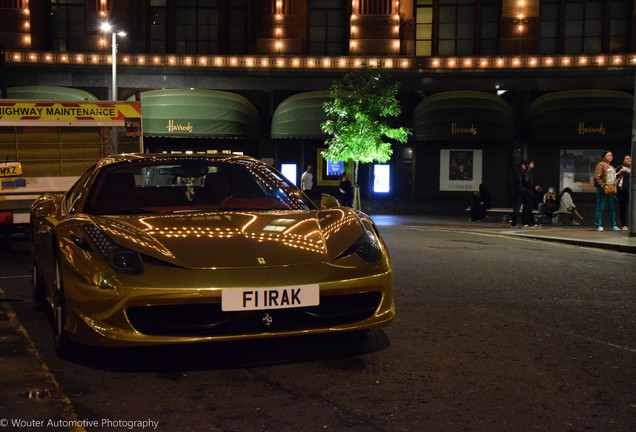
column 581, row 235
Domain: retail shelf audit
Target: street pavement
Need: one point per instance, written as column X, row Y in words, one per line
column 582, row 235
column 28, row 388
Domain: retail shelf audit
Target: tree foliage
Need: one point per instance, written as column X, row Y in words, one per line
column 356, row 114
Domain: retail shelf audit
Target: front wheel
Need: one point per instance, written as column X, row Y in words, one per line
column 63, row 345
column 37, row 286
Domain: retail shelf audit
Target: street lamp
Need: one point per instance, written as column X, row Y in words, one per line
column 106, row 28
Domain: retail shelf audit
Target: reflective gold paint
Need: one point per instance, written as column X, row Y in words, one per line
column 190, row 258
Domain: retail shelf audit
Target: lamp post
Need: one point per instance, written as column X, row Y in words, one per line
column 106, row 27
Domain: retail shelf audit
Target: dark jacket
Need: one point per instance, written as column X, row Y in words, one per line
column 527, row 182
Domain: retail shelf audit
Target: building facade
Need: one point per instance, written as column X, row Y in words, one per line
column 483, row 83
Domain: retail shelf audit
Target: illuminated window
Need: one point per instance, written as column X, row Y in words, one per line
column 448, row 27
column 335, row 168
column 424, row 28
column 381, row 178
column 290, row 171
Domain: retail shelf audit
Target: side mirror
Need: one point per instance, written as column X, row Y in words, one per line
column 327, row 201
column 43, row 209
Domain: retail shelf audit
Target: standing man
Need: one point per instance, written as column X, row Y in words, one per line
column 528, row 188
column 517, row 197
column 307, row 182
column 624, row 174
column 605, row 182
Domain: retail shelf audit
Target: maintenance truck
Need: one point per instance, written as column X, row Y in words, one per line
column 46, row 145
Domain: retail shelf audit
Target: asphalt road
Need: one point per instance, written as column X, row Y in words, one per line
column 491, row 334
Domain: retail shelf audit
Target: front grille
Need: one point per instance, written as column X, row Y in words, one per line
column 209, row 320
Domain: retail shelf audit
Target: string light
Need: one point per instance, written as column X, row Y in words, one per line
column 27, row 24
column 353, row 29
column 278, row 31
column 325, row 62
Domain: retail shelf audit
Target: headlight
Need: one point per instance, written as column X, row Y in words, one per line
column 121, row 259
column 367, row 246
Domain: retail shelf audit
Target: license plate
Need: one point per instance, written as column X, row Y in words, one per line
column 241, row 299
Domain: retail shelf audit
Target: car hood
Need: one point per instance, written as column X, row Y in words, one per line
column 237, row 239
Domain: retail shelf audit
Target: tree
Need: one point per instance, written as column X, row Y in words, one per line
column 355, row 120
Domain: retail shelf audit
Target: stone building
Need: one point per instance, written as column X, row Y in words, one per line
column 483, row 84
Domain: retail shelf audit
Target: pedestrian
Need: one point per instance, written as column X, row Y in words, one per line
column 528, row 189
column 566, row 204
column 346, row 191
column 481, row 203
column 605, row 182
column 550, row 203
column 517, row 198
column 307, row 181
column 624, row 173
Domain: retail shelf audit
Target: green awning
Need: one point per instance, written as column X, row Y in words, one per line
column 198, row 114
column 581, row 115
column 300, row 116
column 463, row 116
column 48, row 93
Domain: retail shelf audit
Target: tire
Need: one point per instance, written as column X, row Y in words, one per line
column 63, row 345
column 37, row 289
column 37, row 286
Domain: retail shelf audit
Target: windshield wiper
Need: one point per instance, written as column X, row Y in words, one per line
column 192, row 211
column 124, row 212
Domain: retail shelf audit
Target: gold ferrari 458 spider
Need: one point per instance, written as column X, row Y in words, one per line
column 160, row 249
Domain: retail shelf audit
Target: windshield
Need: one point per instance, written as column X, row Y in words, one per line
column 182, row 184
